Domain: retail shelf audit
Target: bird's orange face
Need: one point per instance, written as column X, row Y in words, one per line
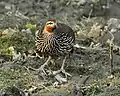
column 50, row 26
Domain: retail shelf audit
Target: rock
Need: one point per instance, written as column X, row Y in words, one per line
column 42, row 10
column 112, row 27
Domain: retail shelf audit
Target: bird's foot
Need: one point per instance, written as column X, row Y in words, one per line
column 39, row 70
column 59, row 77
column 62, row 71
column 42, row 70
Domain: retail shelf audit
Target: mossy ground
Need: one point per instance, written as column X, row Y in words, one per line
column 84, row 63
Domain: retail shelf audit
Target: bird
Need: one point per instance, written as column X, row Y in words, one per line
column 55, row 39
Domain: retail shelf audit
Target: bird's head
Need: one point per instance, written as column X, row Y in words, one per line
column 50, row 26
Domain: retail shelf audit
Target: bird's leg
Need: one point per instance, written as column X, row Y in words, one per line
column 46, row 63
column 62, row 69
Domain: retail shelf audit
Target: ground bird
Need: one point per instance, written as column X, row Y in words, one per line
column 55, row 40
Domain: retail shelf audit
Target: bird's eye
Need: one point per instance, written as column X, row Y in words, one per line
column 49, row 23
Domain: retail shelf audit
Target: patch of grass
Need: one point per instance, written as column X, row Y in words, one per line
column 15, row 77
column 94, row 90
column 21, row 41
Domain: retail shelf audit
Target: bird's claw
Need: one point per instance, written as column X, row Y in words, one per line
column 41, row 69
column 66, row 73
column 63, row 71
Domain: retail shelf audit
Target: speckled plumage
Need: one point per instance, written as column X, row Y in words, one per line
column 56, row 43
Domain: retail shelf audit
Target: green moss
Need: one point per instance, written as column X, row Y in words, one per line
column 21, row 41
column 30, row 26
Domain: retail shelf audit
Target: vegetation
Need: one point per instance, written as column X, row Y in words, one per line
column 96, row 50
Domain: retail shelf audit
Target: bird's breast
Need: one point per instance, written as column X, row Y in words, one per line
column 44, row 43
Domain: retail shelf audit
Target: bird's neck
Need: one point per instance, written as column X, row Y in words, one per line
column 48, row 30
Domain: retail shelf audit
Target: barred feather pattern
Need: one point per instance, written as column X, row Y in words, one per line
column 54, row 44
